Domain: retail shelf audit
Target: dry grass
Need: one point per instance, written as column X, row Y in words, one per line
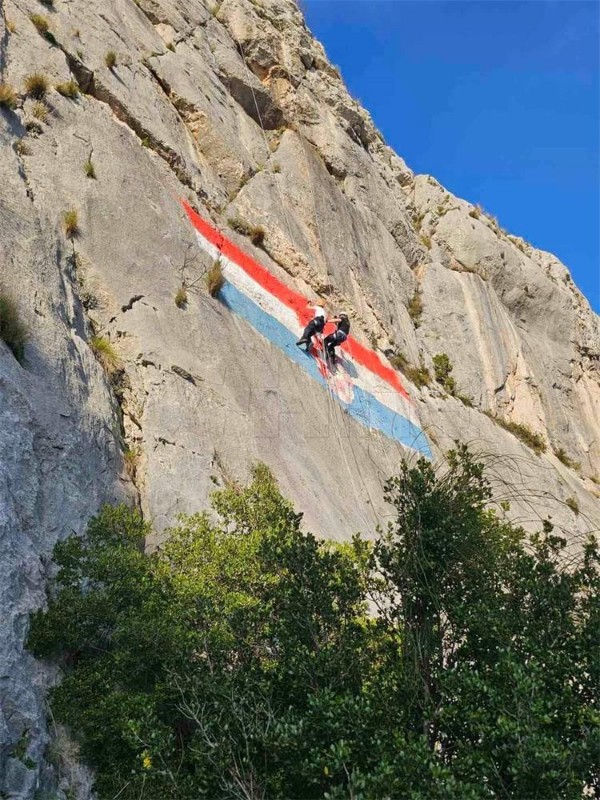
column 110, row 59
column 131, row 459
column 8, row 96
column 106, row 354
column 10, row 26
column 523, row 432
column 12, row 331
column 68, row 89
column 256, row 233
column 36, row 85
column 71, row 223
column 420, row 376
column 40, row 23
column 89, row 169
column 181, row 297
column 215, row 279
column 40, row 111
column 573, row 504
column 426, row 240
column 565, row 459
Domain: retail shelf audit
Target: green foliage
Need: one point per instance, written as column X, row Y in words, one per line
column 420, row 375
column 442, row 369
column 12, row 331
column 8, row 96
column 564, row 458
column 68, row 89
column 40, row 23
column 110, row 59
column 426, row 240
column 36, row 85
column 523, row 432
column 399, row 361
column 239, row 660
column 215, row 279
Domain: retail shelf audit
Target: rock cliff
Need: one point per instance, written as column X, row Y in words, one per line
column 125, row 395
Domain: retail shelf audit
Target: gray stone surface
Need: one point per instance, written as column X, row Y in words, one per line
column 200, row 395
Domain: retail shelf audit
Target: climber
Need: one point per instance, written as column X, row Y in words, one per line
column 316, row 325
column 338, row 337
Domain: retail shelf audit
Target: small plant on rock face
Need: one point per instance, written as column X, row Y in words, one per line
column 257, row 235
column 426, row 240
column 523, row 432
column 8, row 97
column 106, row 354
column 36, row 85
column 415, row 308
column 89, row 168
column 573, row 504
column 442, row 369
column 40, row 23
column 40, row 111
column 399, row 361
column 418, row 375
column 564, row 458
column 110, row 59
column 10, row 26
column 181, row 297
column 12, row 331
column 71, row 223
column 68, row 89
column 215, row 279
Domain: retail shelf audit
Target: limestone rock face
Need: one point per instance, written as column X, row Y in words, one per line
column 235, row 108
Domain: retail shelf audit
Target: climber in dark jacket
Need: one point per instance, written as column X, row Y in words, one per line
column 338, row 337
column 316, row 325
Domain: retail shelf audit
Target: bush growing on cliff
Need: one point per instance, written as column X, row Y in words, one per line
column 8, row 96
column 240, row 659
column 12, row 331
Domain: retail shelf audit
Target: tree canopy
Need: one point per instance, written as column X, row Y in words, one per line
column 453, row 657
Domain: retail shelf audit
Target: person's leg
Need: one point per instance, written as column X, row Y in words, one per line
column 306, row 336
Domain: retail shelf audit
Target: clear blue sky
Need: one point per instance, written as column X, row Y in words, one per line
column 500, row 101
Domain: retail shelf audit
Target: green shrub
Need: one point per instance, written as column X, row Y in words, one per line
column 420, row 375
column 442, row 369
column 8, row 96
column 12, row 331
column 415, row 308
column 563, row 457
column 215, row 279
column 71, row 223
column 110, row 59
column 105, row 352
column 465, row 400
column 181, row 297
column 68, row 89
column 240, row 659
column 36, row 85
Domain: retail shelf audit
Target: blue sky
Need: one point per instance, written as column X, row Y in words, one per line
column 500, row 101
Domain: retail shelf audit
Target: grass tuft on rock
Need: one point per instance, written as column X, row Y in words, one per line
column 40, row 23
column 415, row 308
column 71, row 223
column 256, row 233
column 442, row 368
column 105, row 352
column 68, row 89
column 215, row 279
column 8, row 96
column 40, row 111
column 565, row 459
column 573, row 504
column 12, row 331
column 36, row 85
column 89, row 169
column 523, row 432
column 181, row 297
column 110, row 59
